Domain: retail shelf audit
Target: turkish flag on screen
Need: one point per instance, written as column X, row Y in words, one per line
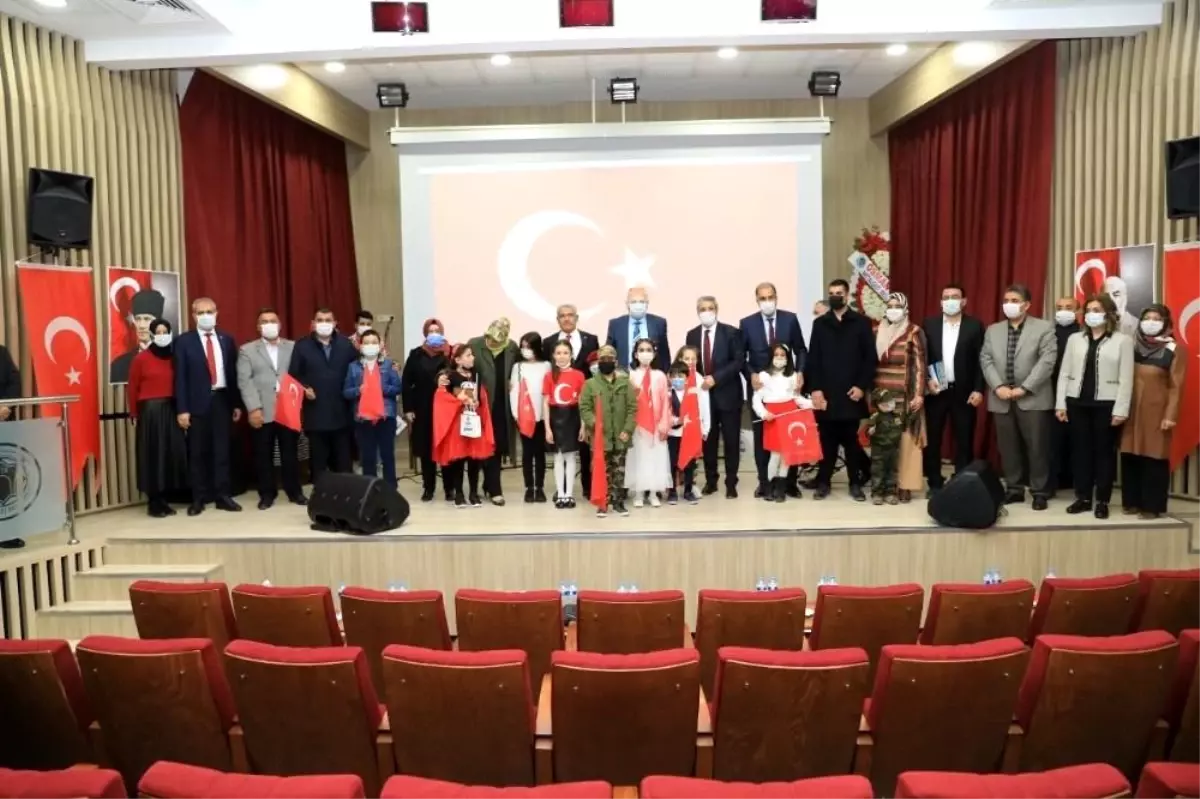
column 122, row 285
column 792, row 433
column 526, row 418
column 1091, row 268
column 1181, row 290
column 691, row 439
column 60, row 324
column 288, row 402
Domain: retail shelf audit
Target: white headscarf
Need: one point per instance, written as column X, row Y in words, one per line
column 888, row 332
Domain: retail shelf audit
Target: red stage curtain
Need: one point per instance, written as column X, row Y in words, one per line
column 266, row 211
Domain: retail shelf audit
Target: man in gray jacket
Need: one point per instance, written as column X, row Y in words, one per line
column 1018, row 361
column 260, row 366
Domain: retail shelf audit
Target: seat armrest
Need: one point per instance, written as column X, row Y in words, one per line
column 688, row 641
column 571, row 639
column 703, row 718
column 625, row 792
column 543, row 728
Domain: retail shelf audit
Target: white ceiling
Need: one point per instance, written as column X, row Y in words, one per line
column 688, row 75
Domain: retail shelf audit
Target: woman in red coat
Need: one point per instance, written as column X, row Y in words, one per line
column 161, row 450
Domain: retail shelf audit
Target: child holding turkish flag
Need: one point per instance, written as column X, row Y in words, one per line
column 462, row 427
column 648, row 466
column 776, row 402
column 608, row 408
column 372, row 385
column 525, row 400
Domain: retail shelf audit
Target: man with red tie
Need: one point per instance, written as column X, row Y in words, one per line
column 208, row 403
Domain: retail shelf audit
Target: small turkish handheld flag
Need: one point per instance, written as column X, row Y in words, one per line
column 792, row 433
column 526, row 418
column 599, row 495
column 288, row 402
column 60, row 324
column 691, row 438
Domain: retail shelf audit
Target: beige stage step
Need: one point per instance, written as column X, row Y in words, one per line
column 81, row 618
column 112, row 580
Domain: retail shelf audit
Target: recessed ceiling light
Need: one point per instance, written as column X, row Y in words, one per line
column 335, row 67
column 501, row 60
column 896, row 49
column 267, row 76
column 974, row 54
column 52, row 3
column 727, row 53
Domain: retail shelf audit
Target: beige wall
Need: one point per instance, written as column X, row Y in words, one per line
column 856, row 191
column 57, row 112
column 1118, row 101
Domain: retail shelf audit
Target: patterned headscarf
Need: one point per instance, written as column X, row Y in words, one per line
column 498, row 330
column 1147, row 347
column 887, row 334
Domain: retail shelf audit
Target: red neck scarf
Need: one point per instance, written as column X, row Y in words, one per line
column 370, row 402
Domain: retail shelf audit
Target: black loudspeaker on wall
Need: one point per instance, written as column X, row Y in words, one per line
column 973, row 499
column 1183, row 178
column 352, row 503
column 59, row 210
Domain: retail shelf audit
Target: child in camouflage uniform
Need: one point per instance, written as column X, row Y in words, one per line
column 885, row 428
column 611, row 390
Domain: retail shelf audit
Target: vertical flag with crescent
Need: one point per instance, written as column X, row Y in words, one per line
column 1181, row 291
column 792, row 433
column 60, row 325
column 526, row 417
column 289, row 401
column 691, row 437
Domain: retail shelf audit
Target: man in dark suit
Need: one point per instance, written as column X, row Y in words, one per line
column 760, row 333
column 1066, row 324
column 954, row 341
column 583, row 344
column 722, row 358
column 320, row 362
column 627, row 329
column 208, row 404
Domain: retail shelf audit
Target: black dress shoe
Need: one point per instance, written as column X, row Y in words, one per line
column 709, row 489
column 762, row 492
column 1040, row 503
column 12, row 543
column 167, row 510
column 529, row 496
column 1014, row 497
column 264, row 503
column 793, row 490
column 1079, row 506
column 298, row 499
column 731, row 493
column 1101, row 510
column 227, row 504
column 195, row 509
column 821, row 492
column 427, row 495
column 539, row 495
column 857, row 492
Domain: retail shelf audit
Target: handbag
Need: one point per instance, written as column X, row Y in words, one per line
column 469, row 425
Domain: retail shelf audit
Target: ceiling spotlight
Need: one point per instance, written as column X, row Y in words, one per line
column 52, row 3
column 896, row 49
column 824, row 83
column 336, row 67
column 974, row 54
column 727, row 53
column 392, row 95
column 623, row 90
column 501, row 60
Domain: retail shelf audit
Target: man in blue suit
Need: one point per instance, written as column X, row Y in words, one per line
column 208, row 404
column 760, row 332
column 625, row 330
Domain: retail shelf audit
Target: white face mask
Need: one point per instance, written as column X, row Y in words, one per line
column 637, row 309
column 1094, row 319
column 1064, row 318
column 645, row 358
column 894, row 315
column 363, row 329
column 708, row 318
column 324, row 329
column 952, row 307
column 1151, row 327
column 370, row 351
column 527, row 353
column 164, row 339
column 594, row 368
column 767, row 307
column 206, row 321
column 1012, row 309
column 270, row 330
column 779, row 363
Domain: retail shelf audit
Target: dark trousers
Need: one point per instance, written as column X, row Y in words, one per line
column 329, row 451
column 1093, row 449
column 726, row 428
column 264, row 440
column 208, row 450
column 842, row 433
column 688, row 473
column 1145, row 482
column 429, row 473
column 1061, row 473
column 762, row 457
column 1024, row 440
column 491, row 476
column 533, row 457
column 453, row 474
column 949, row 406
column 377, row 445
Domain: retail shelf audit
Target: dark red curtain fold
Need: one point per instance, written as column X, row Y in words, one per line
column 266, row 202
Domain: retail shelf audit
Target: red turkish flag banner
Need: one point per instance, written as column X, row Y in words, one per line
column 792, row 433
column 526, row 417
column 60, row 325
column 288, row 402
column 599, row 495
column 1181, row 291
column 122, row 285
column 691, row 438
column 1091, row 268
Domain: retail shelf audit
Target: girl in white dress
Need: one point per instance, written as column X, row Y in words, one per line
column 777, row 384
column 648, row 464
column 529, row 374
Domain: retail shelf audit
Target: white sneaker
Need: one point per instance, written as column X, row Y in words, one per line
column 639, row 501
column 655, row 502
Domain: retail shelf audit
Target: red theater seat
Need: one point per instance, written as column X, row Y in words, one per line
column 1094, row 700
column 1183, row 707
column 1092, row 781
column 1167, row 780
column 527, row 620
column 461, row 716
column 786, row 715
column 614, row 623
column 183, row 610
column 848, row 787
column 75, row 783
column 159, row 700
column 373, row 619
column 866, row 617
column 287, row 615
column 166, row 780
column 944, row 708
column 46, row 714
column 967, row 613
column 403, row 787
column 310, row 711
column 1087, row 606
column 1167, row 600
column 758, row 619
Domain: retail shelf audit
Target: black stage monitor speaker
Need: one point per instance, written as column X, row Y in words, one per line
column 973, row 499
column 1183, row 178
column 352, row 503
column 60, row 209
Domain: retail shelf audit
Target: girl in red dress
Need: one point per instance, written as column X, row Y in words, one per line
column 560, row 393
column 453, row 450
column 161, row 449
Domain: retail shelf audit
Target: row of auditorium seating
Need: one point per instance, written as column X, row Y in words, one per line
column 471, row 717
column 166, row 780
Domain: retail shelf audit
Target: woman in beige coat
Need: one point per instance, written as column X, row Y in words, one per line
column 1159, row 367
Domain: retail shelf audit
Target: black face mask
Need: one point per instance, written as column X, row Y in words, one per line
column 837, row 302
column 607, row 367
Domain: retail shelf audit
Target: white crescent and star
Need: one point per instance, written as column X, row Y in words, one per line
column 804, row 431
column 67, row 324
column 115, row 288
column 1189, row 310
column 1087, row 266
column 293, row 390
column 558, row 400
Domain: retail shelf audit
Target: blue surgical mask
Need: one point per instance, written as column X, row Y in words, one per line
column 435, row 339
column 678, row 383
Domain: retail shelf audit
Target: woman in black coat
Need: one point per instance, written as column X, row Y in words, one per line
column 419, row 382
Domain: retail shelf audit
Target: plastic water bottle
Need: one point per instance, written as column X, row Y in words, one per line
column 266, row 583
column 396, row 586
column 997, row 577
column 622, row 589
column 832, row 580
column 1050, row 575
column 341, row 589
column 772, row 584
column 760, row 585
column 633, row 589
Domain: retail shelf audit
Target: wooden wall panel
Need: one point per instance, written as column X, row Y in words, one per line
column 57, row 112
column 855, row 179
column 1119, row 100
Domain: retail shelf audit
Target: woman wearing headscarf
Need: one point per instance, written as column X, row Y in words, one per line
column 419, row 381
column 495, row 354
column 903, row 358
column 1160, row 365
column 161, row 449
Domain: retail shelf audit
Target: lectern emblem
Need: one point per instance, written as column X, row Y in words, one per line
column 20, row 480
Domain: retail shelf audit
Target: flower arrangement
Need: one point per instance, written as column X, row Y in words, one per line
column 871, row 262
